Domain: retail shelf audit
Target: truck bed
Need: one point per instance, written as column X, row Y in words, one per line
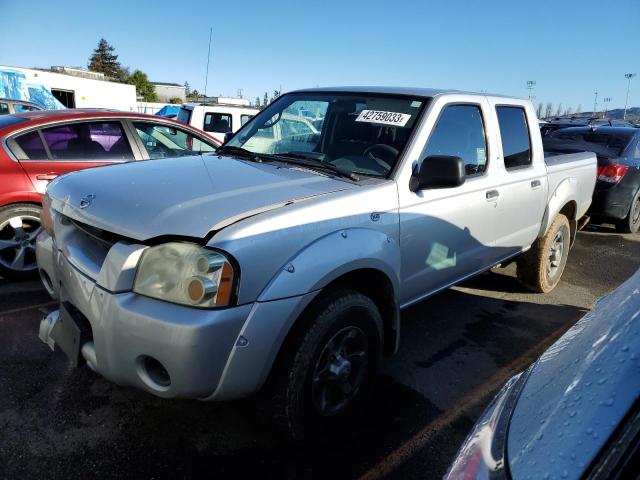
column 580, row 168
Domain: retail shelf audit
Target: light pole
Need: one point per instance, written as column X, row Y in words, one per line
column 606, row 101
column 628, row 76
column 530, row 85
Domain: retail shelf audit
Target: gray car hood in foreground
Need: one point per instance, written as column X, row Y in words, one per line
column 579, row 390
column 187, row 196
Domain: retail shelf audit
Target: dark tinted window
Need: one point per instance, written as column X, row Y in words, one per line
column 32, row 146
column 514, row 132
column 184, row 115
column 217, row 122
column 88, row 141
column 4, row 108
column 604, row 144
column 245, row 118
column 460, row 133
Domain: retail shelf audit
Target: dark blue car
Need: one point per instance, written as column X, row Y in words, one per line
column 616, row 197
column 573, row 414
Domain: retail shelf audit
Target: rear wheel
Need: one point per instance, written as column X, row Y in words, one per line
column 631, row 223
column 540, row 269
column 19, row 227
column 327, row 369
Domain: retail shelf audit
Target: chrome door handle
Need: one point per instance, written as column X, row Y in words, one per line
column 536, row 183
column 492, row 194
column 47, row 176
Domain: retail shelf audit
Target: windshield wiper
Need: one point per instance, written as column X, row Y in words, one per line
column 307, row 161
column 243, row 153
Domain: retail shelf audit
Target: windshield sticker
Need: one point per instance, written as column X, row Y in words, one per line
column 385, row 118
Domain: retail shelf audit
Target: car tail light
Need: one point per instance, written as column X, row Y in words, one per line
column 612, row 173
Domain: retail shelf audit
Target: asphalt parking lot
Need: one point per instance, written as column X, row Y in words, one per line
column 457, row 349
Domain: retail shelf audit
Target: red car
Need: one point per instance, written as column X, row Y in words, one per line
column 36, row 147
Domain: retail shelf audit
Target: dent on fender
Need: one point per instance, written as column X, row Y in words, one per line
column 331, row 256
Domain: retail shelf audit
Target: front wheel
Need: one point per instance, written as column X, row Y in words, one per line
column 328, row 368
column 19, row 226
column 631, row 223
column 540, row 269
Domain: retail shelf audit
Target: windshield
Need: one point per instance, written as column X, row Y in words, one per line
column 356, row 133
column 603, row 144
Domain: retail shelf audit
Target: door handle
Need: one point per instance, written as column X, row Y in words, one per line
column 492, row 194
column 536, row 184
column 47, row 176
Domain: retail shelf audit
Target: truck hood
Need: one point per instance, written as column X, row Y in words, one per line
column 188, row 196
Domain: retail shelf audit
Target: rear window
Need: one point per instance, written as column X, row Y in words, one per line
column 184, row 115
column 218, row 122
column 514, row 134
column 244, row 118
column 603, row 144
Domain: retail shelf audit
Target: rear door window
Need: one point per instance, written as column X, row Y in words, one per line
column 32, row 146
column 18, row 107
column 90, row 141
column 514, row 134
column 4, row 108
column 218, row 122
column 184, row 115
column 460, row 133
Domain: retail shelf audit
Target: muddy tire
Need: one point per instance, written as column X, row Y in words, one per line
column 540, row 269
column 631, row 223
column 19, row 226
column 327, row 369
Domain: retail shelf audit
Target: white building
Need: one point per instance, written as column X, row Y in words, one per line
column 167, row 91
column 77, row 88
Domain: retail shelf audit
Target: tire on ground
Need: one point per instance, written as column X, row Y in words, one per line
column 631, row 223
column 289, row 392
column 7, row 212
column 532, row 266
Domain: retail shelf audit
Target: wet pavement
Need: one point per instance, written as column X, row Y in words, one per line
column 457, row 349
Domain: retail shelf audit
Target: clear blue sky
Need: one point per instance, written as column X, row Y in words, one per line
column 571, row 48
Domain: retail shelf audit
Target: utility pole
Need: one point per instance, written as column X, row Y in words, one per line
column 530, row 85
column 595, row 104
column 206, row 78
column 628, row 76
column 606, row 101
column 239, row 93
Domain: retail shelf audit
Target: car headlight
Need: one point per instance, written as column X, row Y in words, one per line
column 187, row 274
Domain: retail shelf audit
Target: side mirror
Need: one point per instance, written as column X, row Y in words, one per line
column 227, row 136
column 438, row 171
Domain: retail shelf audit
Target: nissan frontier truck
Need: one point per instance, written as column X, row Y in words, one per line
column 282, row 263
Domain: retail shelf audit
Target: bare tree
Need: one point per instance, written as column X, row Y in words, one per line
column 567, row 111
column 548, row 110
column 579, row 109
column 539, row 110
column 559, row 110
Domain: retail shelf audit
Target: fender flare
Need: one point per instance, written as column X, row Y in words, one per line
column 566, row 192
column 331, row 256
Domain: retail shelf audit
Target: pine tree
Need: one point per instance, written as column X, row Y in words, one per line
column 257, row 104
column 104, row 61
column 539, row 110
column 187, row 89
column 559, row 110
column 144, row 88
column 266, row 100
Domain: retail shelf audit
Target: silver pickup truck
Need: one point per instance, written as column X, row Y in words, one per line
column 282, row 263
